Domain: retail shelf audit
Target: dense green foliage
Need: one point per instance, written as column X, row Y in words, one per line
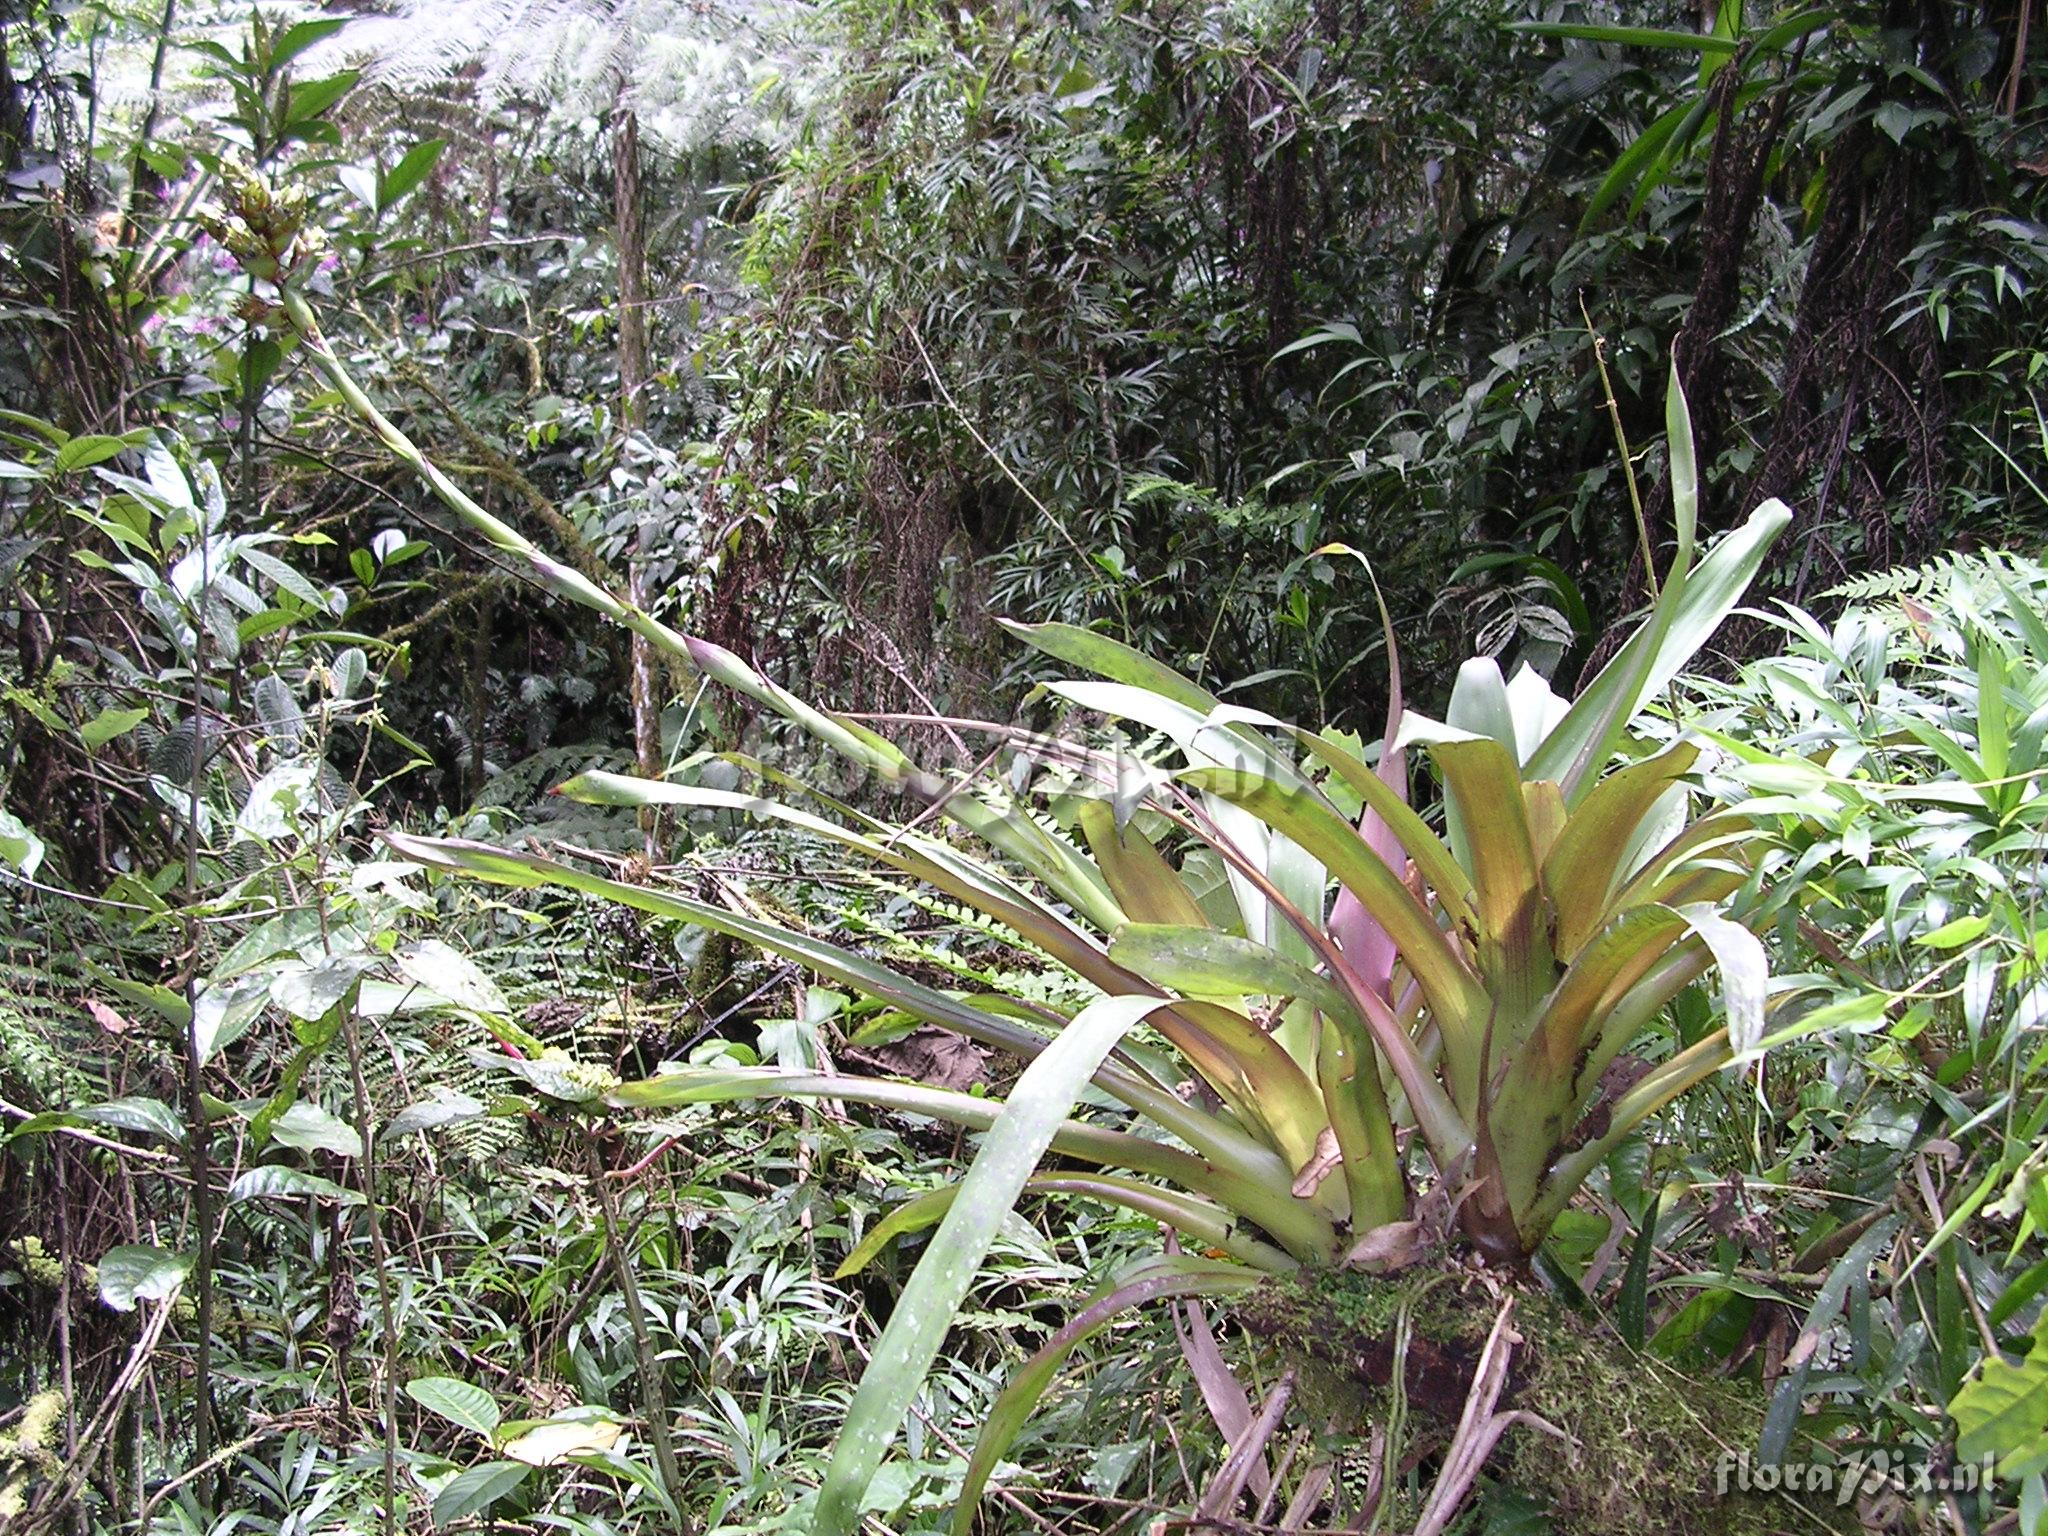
column 892, row 1077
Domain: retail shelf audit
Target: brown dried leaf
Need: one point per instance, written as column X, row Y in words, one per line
column 106, row 1017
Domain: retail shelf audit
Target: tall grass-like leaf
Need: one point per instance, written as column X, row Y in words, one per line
column 1580, row 871
column 1630, row 164
column 1148, row 888
column 1037, row 1106
column 1201, row 1220
column 1305, row 819
column 848, row 737
column 1205, row 963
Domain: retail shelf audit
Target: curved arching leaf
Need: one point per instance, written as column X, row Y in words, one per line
column 1038, row 1105
column 1164, row 1279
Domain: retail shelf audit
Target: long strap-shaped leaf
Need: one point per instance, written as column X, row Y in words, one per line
column 1038, row 1105
column 1694, row 602
column 1206, row 1223
column 847, row 736
column 1453, row 992
column 1215, row 1138
column 1247, row 1067
column 1583, row 865
column 1111, row 659
column 1256, row 1195
column 1163, row 1279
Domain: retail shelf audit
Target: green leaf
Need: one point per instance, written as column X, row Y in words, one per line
column 1629, row 37
column 478, row 1488
column 1251, row 1181
column 84, row 452
column 302, row 35
column 459, row 1402
column 858, row 971
column 1112, row 659
column 1691, row 609
column 160, row 1000
column 446, row 1107
column 1486, row 792
column 448, row 973
column 1956, row 932
column 309, row 991
column 1581, row 869
column 913, row 1215
column 259, row 361
column 1451, row 989
column 277, row 800
column 273, row 1181
column 558, row 1075
column 136, row 1114
column 141, row 1272
column 1163, row 1279
column 1148, row 888
column 1205, row 963
column 310, row 1128
column 2002, row 1410
column 18, row 845
column 223, row 1012
column 1632, row 1306
column 308, row 99
column 1789, row 1401
column 917, row 1327
column 109, row 723
column 409, row 172
column 288, row 579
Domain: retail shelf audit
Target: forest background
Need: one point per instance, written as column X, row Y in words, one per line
column 830, row 335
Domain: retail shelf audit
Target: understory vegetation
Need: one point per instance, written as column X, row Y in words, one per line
column 1250, row 766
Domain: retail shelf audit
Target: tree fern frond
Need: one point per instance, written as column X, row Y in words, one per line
column 687, row 70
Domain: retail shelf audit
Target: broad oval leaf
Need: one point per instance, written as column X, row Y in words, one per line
column 275, row 1182
column 448, row 973
column 308, row 991
column 2002, row 1410
column 152, row 1116
column 457, row 1401
column 478, row 1488
column 141, row 1272
column 552, row 1441
column 309, row 1128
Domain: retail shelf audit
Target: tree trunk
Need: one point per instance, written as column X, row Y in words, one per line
column 1853, row 368
column 630, row 233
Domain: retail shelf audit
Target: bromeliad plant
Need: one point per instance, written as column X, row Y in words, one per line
column 1349, row 992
